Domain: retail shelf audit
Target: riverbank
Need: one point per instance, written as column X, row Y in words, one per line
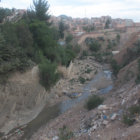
column 73, row 111
column 79, row 69
column 50, row 113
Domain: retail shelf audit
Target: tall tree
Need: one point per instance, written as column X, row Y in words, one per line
column 39, row 10
column 4, row 12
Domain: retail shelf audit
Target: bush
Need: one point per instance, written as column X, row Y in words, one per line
column 84, row 54
column 93, row 44
column 98, row 56
column 135, row 109
column 129, row 117
column 93, row 102
column 82, row 80
column 88, row 70
column 95, row 47
column 48, row 74
column 76, row 49
column 128, row 120
column 115, row 67
column 65, row 134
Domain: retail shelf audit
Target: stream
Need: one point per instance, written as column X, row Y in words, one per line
column 51, row 112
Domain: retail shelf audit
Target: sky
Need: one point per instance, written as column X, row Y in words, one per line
column 85, row 8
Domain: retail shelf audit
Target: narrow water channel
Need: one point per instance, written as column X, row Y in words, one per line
column 49, row 113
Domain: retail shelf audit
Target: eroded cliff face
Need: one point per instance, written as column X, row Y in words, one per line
column 21, row 99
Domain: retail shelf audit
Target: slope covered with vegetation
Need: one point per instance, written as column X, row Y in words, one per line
column 32, row 40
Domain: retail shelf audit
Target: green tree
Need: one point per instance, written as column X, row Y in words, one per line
column 4, row 13
column 48, row 73
column 25, row 39
column 39, row 10
column 61, row 29
column 69, row 38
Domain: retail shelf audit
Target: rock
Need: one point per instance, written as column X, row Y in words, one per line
column 113, row 116
column 55, row 138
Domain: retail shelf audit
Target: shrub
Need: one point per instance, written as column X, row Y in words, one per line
column 65, row 133
column 98, row 57
column 129, row 117
column 115, row 67
column 93, row 102
column 93, row 44
column 84, row 54
column 82, row 80
column 88, row 70
column 95, row 47
column 48, row 74
column 135, row 109
column 128, row 120
column 76, row 49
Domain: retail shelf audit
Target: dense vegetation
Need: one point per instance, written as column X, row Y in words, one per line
column 4, row 13
column 33, row 40
column 93, row 44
